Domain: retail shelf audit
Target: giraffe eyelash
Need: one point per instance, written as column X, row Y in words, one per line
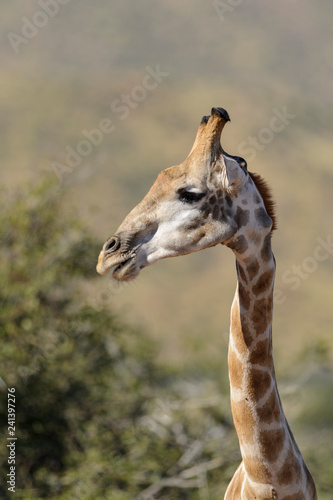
column 190, row 196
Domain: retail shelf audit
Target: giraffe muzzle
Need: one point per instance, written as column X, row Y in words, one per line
column 120, row 258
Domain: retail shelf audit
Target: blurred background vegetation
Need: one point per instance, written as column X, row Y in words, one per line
column 123, row 391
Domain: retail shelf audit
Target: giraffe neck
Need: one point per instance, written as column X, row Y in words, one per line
column 270, row 454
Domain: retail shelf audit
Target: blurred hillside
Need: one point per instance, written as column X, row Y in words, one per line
column 259, row 60
column 252, row 59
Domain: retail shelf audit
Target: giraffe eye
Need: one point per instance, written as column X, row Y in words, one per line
column 190, row 196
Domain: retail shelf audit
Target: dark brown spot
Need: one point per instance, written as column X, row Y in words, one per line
column 228, row 200
column 239, row 244
column 252, row 269
column 242, row 217
column 257, row 470
column 270, row 411
column 219, row 193
column 291, row 469
column 256, row 198
column 263, row 283
column 271, row 443
column 206, row 213
column 266, row 251
column 261, row 354
column 262, row 314
column 216, row 212
column 193, row 225
column 259, row 382
column 212, row 200
column 244, row 297
column 246, row 331
column 262, row 217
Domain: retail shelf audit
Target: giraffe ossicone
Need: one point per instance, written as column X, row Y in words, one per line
column 209, row 199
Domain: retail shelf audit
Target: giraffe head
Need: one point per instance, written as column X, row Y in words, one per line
column 208, row 199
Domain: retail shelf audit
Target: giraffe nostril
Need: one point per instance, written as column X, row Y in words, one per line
column 112, row 245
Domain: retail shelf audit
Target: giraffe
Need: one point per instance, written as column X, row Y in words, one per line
column 208, row 199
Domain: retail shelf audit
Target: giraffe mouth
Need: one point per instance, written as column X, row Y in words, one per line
column 126, row 270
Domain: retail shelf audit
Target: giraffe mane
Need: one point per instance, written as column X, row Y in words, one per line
column 266, row 194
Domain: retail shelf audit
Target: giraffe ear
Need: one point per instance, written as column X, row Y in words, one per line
column 241, row 162
column 235, row 176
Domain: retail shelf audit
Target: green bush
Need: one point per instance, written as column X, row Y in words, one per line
column 95, row 416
